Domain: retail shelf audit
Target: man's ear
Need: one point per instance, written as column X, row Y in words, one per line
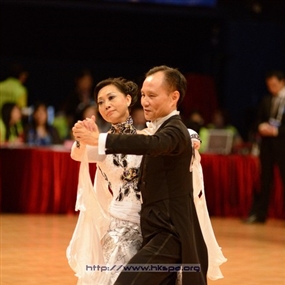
column 175, row 96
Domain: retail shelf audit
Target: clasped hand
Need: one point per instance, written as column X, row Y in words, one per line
column 86, row 131
column 267, row 130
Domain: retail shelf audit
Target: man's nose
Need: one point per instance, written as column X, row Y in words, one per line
column 144, row 101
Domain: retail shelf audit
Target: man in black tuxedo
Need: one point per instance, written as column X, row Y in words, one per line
column 271, row 128
column 170, row 227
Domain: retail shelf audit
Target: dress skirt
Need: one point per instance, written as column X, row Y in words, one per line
column 121, row 242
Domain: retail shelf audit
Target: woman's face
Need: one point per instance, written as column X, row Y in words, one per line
column 16, row 115
column 113, row 104
column 40, row 115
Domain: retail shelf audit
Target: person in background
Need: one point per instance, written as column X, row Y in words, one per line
column 92, row 110
column 138, row 117
column 220, row 121
column 81, row 96
column 39, row 132
column 195, row 121
column 12, row 89
column 11, row 128
column 270, row 127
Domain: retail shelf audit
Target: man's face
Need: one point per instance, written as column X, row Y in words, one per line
column 274, row 85
column 157, row 99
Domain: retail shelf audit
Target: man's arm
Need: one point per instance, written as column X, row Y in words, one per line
column 169, row 140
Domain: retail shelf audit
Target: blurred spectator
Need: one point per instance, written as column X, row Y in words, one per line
column 39, row 131
column 220, row 121
column 270, row 126
column 81, row 96
column 195, row 121
column 90, row 110
column 61, row 124
column 139, row 120
column 11, row 129
column 12, row 89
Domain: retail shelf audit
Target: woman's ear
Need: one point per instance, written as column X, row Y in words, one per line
column 129, row 100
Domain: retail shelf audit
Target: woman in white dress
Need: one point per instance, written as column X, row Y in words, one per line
column 115, row 193
column 108, row 233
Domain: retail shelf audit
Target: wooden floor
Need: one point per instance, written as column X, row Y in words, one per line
column 33, row 251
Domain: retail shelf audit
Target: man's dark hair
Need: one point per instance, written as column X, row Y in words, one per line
column 174, row 79
column 16, row 69
column 280, row 75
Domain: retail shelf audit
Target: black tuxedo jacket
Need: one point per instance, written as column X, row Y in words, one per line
column 167, row 190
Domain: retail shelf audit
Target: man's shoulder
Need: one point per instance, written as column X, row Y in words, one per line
column 14, row 84
column 175, row 121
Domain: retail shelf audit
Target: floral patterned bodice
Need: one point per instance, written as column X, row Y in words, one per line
column 121, row 171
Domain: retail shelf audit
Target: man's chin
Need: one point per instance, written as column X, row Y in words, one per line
column 147, row 117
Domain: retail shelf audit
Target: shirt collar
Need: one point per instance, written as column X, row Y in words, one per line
column 281, row 93
column 154, row 125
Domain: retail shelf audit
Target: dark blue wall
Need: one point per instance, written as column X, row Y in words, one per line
column 253, row 48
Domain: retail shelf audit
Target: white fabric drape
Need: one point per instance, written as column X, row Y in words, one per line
column 85, row 249
column 215, row 255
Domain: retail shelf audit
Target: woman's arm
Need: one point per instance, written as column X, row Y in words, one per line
column 92, row 152
column 196, row 141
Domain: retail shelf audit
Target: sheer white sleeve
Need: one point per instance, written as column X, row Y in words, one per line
column 92, row 153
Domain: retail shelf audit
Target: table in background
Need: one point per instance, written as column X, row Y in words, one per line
column 44, row 180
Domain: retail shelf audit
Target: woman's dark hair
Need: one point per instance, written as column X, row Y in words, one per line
column 125, row 86
column 6, row 112
column 174, row 79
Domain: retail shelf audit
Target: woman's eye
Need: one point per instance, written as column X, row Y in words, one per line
column 99, row 103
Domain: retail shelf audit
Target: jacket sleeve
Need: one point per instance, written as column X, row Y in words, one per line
column 170, row 140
